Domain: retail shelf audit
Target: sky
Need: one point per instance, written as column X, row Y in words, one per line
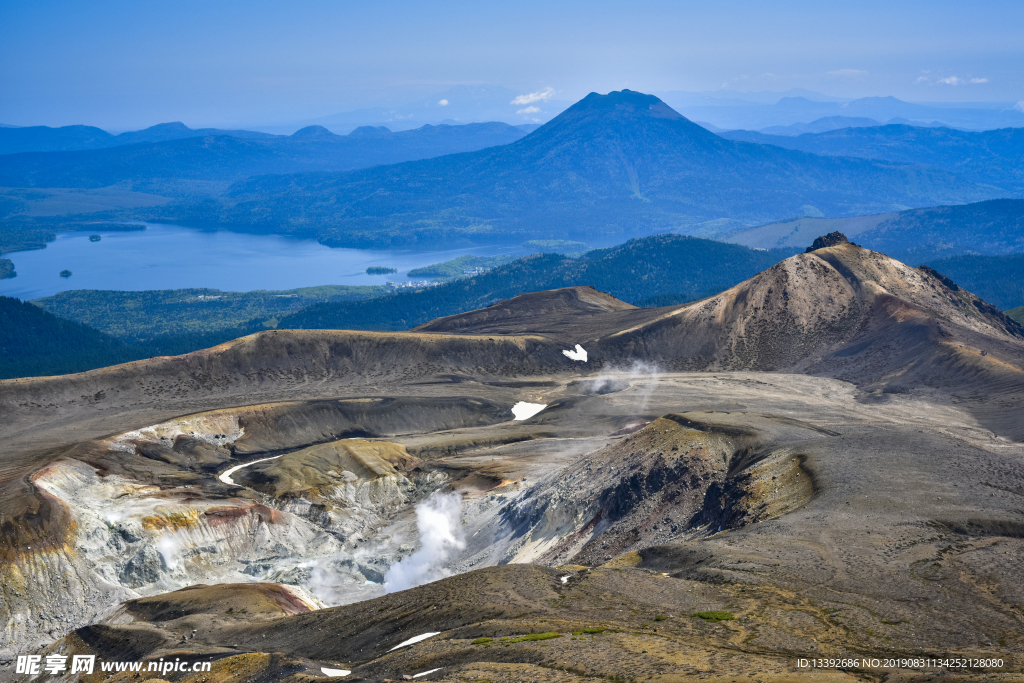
column 127, row 65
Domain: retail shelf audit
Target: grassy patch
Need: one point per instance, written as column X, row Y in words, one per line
column 534, row 636
column 483, row 641
column 714, row 615
column 660, row 617
column 594, row 629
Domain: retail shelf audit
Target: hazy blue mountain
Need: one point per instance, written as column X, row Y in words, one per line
column 818, row 126
column 46, row 139
column 610, row 167
column 679, row 99
column 75, row 138
column 229, row 158
column 738, row 114
column 993, row 157
column 458, row 105
column 179, row 131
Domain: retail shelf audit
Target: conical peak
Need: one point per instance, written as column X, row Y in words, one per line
column 830, row 240
column 313, row 132
column 176, row 126
column 627, row 102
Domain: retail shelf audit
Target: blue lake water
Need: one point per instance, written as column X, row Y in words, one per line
column 173, row 257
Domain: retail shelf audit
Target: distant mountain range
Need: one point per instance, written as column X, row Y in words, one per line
column 76, row 138
column 738, row 112
column 227, row 156
column 992, row 157
column 610, row 167
column 458, row 105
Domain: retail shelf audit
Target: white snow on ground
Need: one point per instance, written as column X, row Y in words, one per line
column 334, row 673
column 424, row 673
column 226, row 474
column 524, row 410
column 415, row 639
column 578, row 354
column 565, row 579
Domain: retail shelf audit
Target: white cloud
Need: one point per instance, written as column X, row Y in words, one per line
column 949, row 80
column 443, row 103
column 848, row 73
column 528, row 110
column 1020, row 106
column 541, row 96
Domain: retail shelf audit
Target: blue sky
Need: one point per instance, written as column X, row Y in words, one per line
column 124, row 65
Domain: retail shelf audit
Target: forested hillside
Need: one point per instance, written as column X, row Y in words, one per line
column 990, row 157
column 685, row 268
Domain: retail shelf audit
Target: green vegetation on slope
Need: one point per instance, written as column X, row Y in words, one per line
column 567, row 247
column 998, row 280
column 34, row 342
column 687, row 267
column 991, row 227
column 1017, row 314
column 454, row 269
column 914, row 236
column 143, row 316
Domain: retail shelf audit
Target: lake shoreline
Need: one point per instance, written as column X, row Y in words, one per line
column 164, row 256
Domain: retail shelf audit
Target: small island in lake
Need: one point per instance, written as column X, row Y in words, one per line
column 65, row 273
column 380, row 270
column 7, row 268
column 94, row 238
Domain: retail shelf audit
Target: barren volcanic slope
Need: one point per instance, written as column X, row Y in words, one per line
column 823, row 461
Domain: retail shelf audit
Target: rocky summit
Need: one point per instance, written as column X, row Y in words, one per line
column 830, row 240
column 822, row 462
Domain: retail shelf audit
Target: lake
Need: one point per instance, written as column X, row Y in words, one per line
column 173, row 257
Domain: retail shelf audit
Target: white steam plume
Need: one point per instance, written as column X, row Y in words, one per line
column 640, row 372
column 438, row 520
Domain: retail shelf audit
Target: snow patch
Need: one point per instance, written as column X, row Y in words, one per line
column 226, row 474
column 524, row 410
column 565, row 579
column 424, row 673
column 415, row 639
column 579, row 353
column 334, row 673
